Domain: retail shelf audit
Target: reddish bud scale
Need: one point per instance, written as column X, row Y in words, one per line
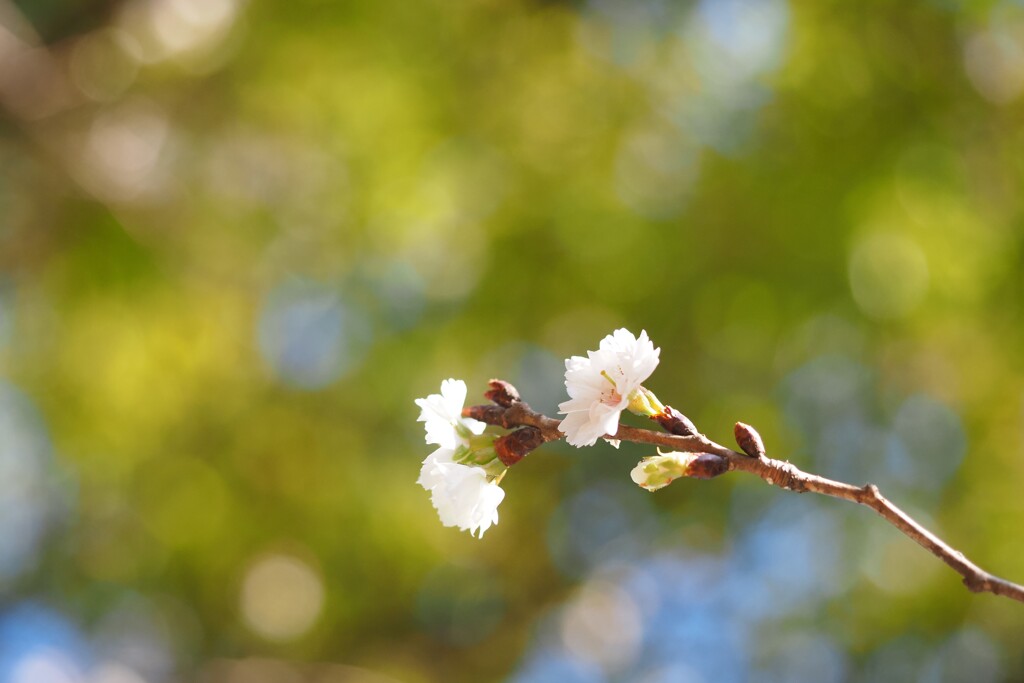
column 674, row 422
column 513, row 447
column 749, row 440
column 707, row 466
column 502, row 393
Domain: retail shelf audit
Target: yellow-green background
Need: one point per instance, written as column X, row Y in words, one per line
column 247, row 235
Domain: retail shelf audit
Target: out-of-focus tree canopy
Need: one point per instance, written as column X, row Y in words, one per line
column 237, row 239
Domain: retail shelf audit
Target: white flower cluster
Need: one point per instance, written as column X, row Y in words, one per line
column 465, row 495
column 462, row 475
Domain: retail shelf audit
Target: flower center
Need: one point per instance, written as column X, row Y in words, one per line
column 610, row 397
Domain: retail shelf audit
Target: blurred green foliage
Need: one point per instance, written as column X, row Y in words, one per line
column 248, row 235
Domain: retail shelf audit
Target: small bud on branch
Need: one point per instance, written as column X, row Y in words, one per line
column 502, row 393
column 749, row 440
column 513, row 447
column 674, row 422
column 707, row 466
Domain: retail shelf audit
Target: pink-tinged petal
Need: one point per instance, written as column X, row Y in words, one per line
column 600, row 384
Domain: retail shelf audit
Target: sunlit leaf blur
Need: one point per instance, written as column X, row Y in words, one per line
column 238, row 238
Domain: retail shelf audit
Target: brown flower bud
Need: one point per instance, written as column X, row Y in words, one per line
column 513, row 447
column 674, row 422
column 707, row 466
column 502, row 393
column 492, row 415
column 749, row 440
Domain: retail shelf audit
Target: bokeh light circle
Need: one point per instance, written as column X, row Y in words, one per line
column 281, row 598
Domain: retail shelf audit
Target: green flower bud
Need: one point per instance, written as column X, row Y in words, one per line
column 643, row 402
column 660, row 470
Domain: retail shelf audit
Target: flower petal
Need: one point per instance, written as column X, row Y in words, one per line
column 600, row 384
column 442, row 415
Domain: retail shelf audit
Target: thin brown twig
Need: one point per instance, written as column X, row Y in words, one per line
column 511, row 414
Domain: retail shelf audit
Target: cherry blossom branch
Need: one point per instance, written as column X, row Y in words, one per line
column 531, row 429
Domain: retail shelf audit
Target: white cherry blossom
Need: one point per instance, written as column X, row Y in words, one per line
column 464, row 494
column 600, row 386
